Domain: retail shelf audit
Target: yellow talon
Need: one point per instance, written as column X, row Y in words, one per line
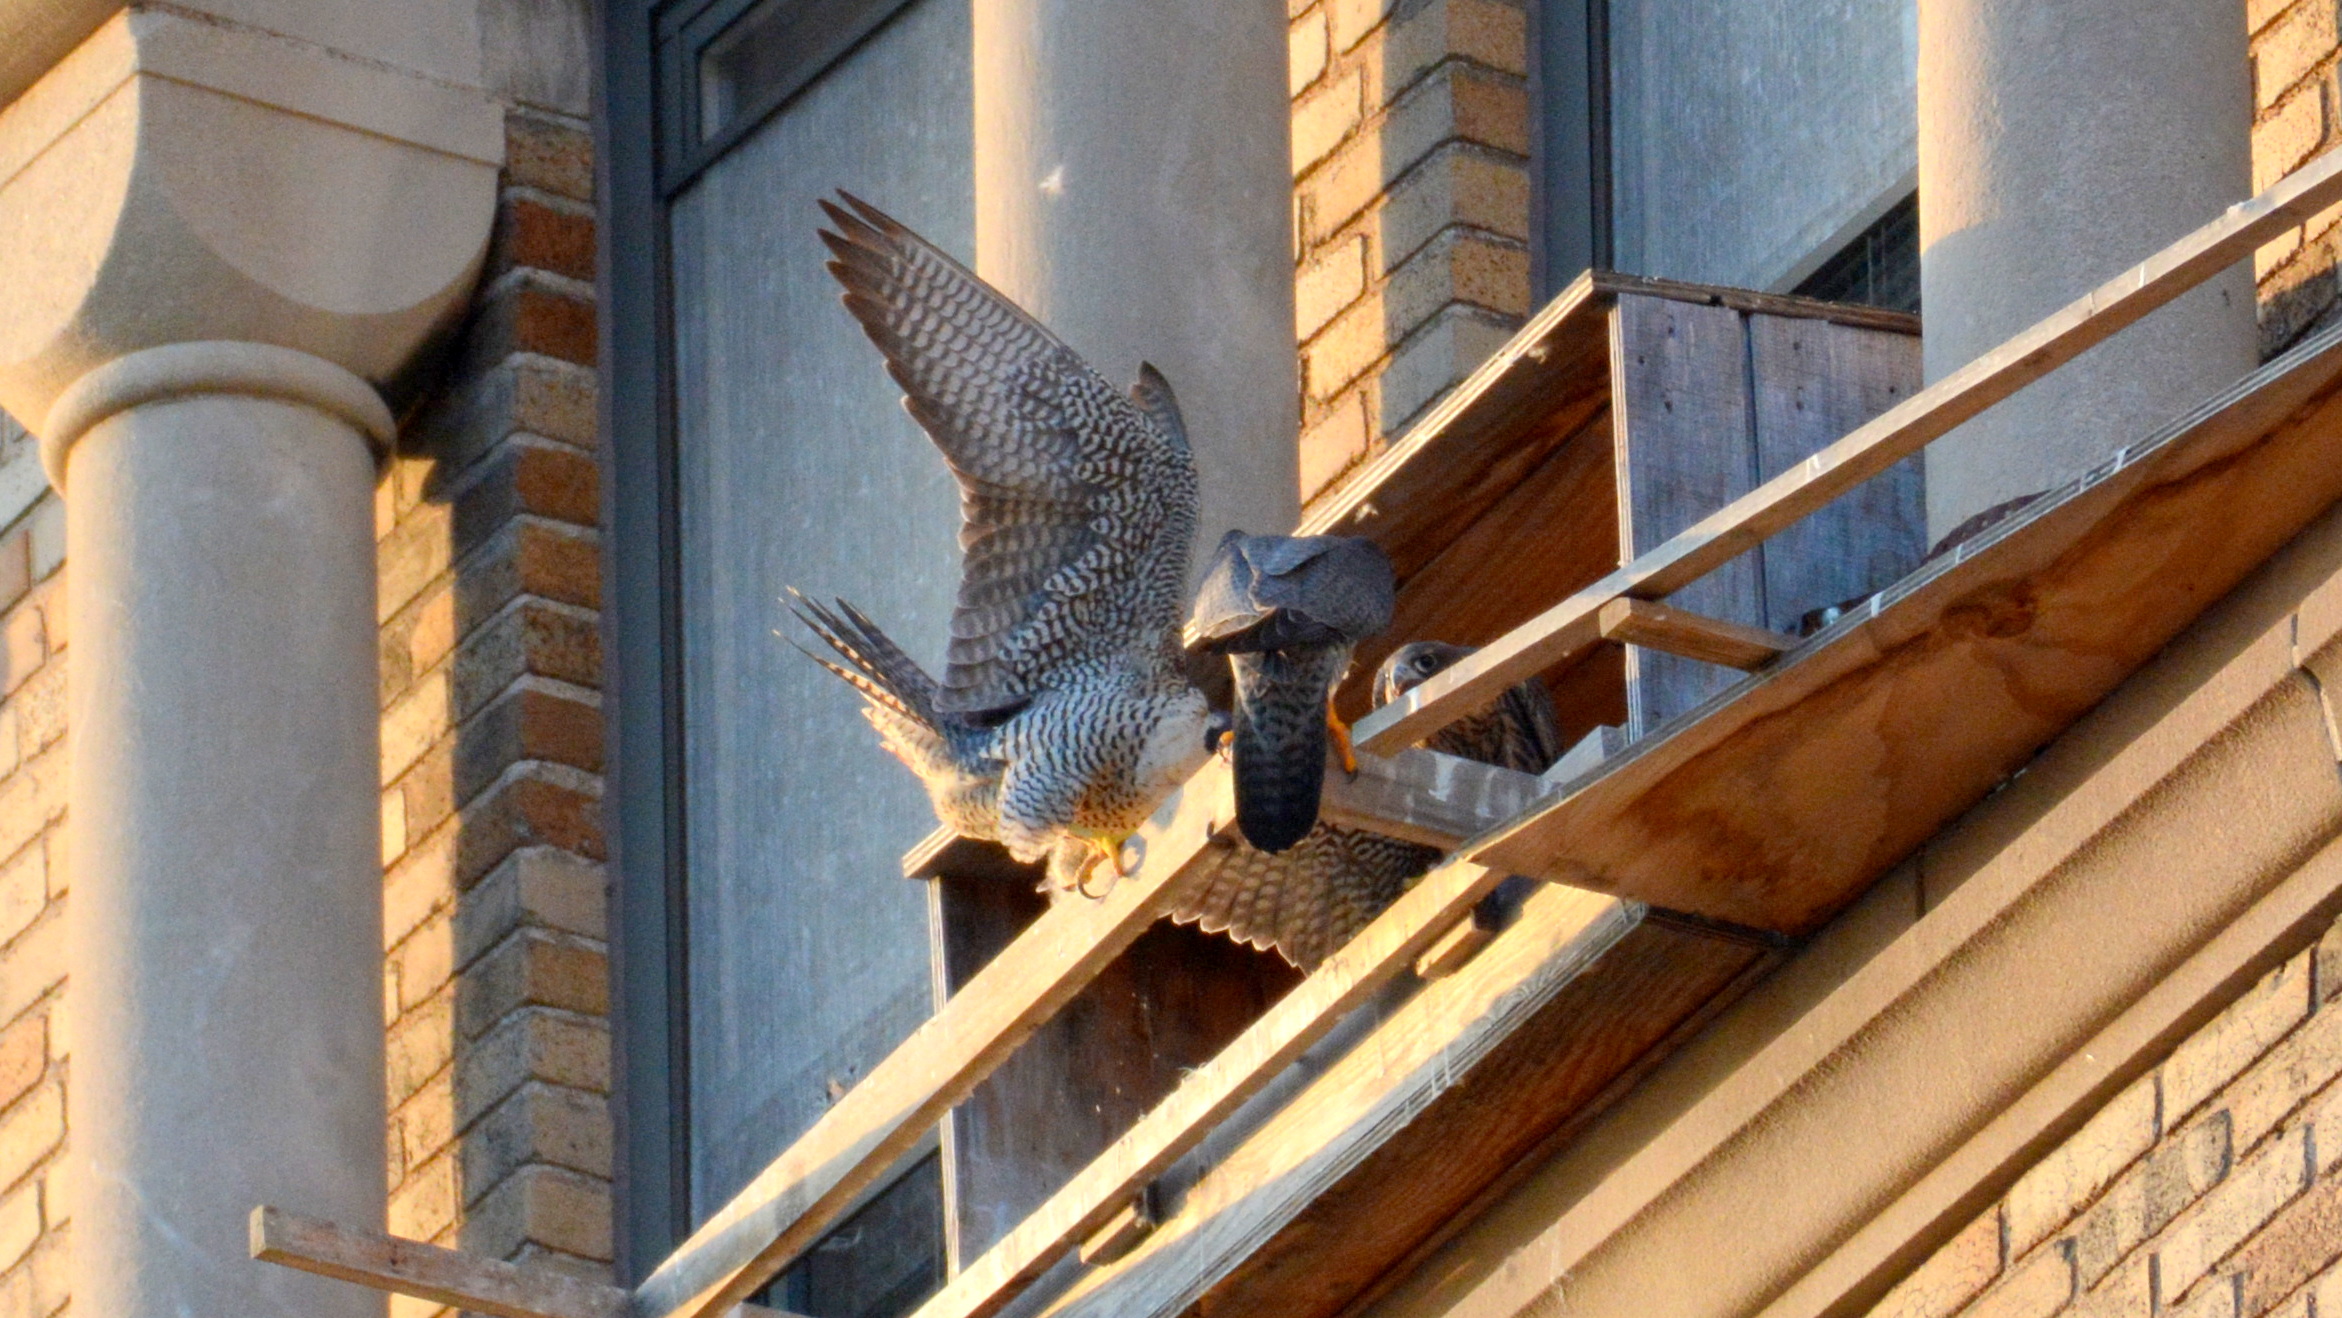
column 1340, row 732
column 1110, row 851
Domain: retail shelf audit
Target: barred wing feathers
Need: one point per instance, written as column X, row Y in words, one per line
column 1077, row 504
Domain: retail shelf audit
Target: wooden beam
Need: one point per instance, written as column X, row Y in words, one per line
column 1692, row 635
column 428, row 1272
column 1088, row 1202
column 1411, row 1058
column 802, row 1193
column 1570, row 627
column 1424, row 796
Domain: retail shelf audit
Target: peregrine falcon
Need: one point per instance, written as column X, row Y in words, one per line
column 1287, row 610
column 1310, row 899
column 1063, row 716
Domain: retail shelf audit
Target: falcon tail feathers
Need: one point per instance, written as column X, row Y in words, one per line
column 875, row 665
column 1280, row 751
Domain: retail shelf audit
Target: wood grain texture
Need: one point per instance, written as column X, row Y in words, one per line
column 1089, row 1201
column 1782, row 803
column 428, row 1272
column 1690, row 635
column 1685, row 446
column 1565, row 629
column 1424, row 796
column 1815, row 381
column 1425, row 1053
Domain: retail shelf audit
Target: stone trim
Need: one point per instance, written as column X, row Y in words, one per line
column 180, row 370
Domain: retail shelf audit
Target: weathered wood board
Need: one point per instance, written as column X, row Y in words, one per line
column 1782, row 802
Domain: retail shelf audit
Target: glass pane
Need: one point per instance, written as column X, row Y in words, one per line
column 1752, row 139
column 808, row 956
column 773, row 49
column 881, row 1263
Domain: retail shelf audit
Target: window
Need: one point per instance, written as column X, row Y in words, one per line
column 1732, row 144
column 770, row 954
column 1879, row 268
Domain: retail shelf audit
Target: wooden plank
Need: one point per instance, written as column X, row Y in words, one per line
column 806, row 1190
column 1685, row 446
column 411, row 1267
column 1567, row 628
column 1347, row 978
column 1296, row 1154
column 1424, row 796
column 1690, row 635
column 1815, row 381
column 1784, row 801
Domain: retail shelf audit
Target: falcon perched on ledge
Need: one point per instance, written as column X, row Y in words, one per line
column 1064, row 715
column 1310, row 899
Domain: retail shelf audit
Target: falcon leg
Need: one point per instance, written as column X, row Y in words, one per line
column 1340, row 732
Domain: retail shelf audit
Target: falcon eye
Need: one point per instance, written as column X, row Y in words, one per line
column 1427, row 663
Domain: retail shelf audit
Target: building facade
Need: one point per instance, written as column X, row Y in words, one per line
column 539, row 280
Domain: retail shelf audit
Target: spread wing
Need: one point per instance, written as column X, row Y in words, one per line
column 1077, row 504
column 1310, row 899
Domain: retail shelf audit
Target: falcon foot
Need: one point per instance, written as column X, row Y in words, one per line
column 1340, row 732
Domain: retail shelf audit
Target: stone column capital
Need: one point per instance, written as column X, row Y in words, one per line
column 180, row 370
column 185, row 180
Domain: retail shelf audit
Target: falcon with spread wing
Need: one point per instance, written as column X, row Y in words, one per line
column 1063, row 715
column 1287, row 611
column 1310, row 899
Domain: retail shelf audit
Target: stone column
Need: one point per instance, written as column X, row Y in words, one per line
column 1134, row 190
column 219, row 244
column 2060, row 143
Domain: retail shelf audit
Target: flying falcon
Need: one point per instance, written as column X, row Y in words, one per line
column 1310, row 899
column 1063, row 715
column 1287, row 610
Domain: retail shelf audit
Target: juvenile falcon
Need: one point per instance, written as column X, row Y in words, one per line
column 1287, row 610
column 1063, row 716
column 1310, row 899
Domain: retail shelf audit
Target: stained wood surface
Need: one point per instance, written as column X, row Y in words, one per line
column 1424, row 796
column 1780, row 804
column 1685, row 445
column 1690, row 635
column 805, row 1191
column 1566, row 629
column 1329, row 1129
column 428, row 1272
column 1087, row 1202
column 1813, row 382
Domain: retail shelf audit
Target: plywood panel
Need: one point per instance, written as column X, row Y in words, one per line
column 1685, row 447
column 1814, row 382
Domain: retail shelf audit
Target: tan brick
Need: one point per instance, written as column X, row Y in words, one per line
column 2218, row 1052
column 59, row 1190
column 24, row 890
column 538, row 1124
column 536, row 1043
column 1352, row 19
column 12, row 747
column 1345, row 350
column 46, row 524
column 30, row 1131
column 539, row 886
column 1328, row 284
column 23, row 645
column 2327, row 1292
column 555, row 1208
column 2275, row 253
column 1334, row 444
column 1339, row 191
column 425, row 962
column 544, row 153
column 2126, row 1292
column 425, row 1203
column 1305, row 51
column 2216, row 1298
column 31, row 799
column 1457, row 266
column 420, row 719
column 394, row 826
column 1434, row 359
column 2285, row 139
column 38, row 709
column 421, row 882
column 2263, row 1183
column 60, row 1014
column 2035, row 1288
column 1457, row 102
column 1485, row 32
column 59, row 843
column 24, row 1057
column 1460, row 184
column 418, row 550
column 2062, row 1184
column 2301, row 1064
column 2147, row 1197
column 2258, row 13
column 1952, row 1276
column 533, row 968
column 20, row 1224
column 431, row 633
column 2329, row 955
column 16, row 574
column 55, row 617
column 2291, row 47
column 426, row 1123
column 1323, row 118
column 419, row 1046
column 2304, row 1239
column 34, row 965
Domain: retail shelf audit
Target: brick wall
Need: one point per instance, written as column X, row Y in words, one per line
column 2295, row 110
column 1411, row 210
column 2210, row 1188
column 35, row 1205
column 494, row 988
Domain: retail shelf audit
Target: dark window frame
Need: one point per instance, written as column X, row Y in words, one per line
column 1570, row 166
column 647, row 149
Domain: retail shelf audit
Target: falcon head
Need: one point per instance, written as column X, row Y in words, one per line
column 1413, row 664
